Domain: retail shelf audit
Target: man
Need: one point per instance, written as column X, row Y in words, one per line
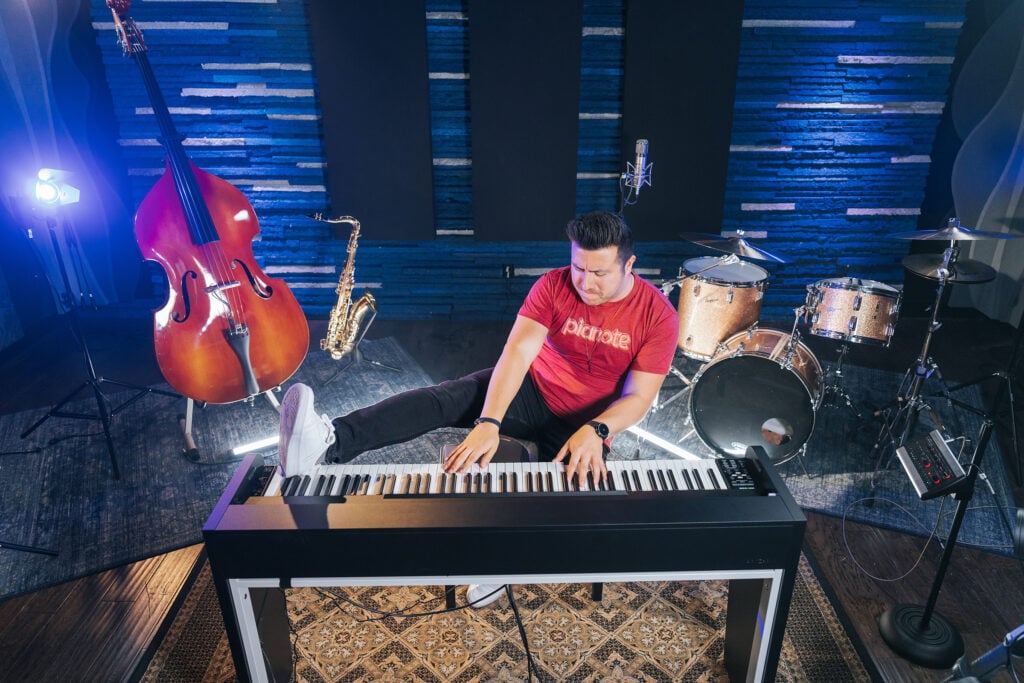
column 585, row 359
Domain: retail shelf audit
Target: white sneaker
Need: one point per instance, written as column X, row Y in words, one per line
column 482, row 594
column 305, row 436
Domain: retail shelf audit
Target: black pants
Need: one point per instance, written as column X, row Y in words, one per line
column 454, row 403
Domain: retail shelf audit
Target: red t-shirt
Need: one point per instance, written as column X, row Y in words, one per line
column 589, row 350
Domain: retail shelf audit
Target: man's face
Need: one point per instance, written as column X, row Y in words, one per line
column 599, row 276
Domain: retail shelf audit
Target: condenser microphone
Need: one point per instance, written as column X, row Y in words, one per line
column 641, row 172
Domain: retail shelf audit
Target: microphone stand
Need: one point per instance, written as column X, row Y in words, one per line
column 922, row 635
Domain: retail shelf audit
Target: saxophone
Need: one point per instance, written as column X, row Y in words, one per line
column 346, row 321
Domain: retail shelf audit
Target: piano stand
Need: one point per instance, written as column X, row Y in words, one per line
column 260, row 608
column 748, row 532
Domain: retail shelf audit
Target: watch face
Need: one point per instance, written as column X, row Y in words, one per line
column 600, row 428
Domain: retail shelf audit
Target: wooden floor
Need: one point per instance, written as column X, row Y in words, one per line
column 98, row 628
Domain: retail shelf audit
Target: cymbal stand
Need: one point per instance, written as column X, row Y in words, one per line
column 897, row 426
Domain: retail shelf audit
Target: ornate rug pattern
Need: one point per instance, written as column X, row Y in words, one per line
column 659, row 631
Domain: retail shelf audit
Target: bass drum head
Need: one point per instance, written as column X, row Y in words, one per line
column 743, row 401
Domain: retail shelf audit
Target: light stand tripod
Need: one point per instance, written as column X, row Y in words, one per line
column 922, row 635
column 93, row 381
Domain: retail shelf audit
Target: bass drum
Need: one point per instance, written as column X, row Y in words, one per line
column 760, row 390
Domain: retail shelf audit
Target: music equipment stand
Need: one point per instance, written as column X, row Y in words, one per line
column 104, row 411
column 1007, row 378
column 920, row 634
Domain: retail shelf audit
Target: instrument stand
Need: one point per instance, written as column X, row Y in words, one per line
column 191, row 451
column 834, row 385
column 897, row 430
column 1007, row 379
column 94, row 382
column 920, row 634
column 356, row 355
column 4, row 545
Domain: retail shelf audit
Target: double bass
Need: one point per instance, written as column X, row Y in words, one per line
column 227, row 332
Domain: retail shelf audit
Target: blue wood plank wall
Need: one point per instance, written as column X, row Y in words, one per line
column 837, row 104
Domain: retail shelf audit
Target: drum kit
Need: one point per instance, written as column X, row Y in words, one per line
column 762, row 386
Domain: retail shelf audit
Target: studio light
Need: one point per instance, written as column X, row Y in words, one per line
column 52, row 190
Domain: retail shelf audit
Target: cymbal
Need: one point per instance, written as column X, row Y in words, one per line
column 963, row 271
column 731, row 245
column 953, row 234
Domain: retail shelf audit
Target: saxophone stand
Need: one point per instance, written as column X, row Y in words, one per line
column 356, row 354
column 94, row 382
column 921, row 635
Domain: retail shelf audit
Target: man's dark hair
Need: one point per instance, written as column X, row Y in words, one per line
column 600, row 229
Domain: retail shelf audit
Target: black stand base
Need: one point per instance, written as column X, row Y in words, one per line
column 26, row 548
column 936, row 646
column 357, row 357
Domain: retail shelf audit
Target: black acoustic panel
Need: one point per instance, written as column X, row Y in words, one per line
column 524, row 94
column 371, row 66
column 680, row 75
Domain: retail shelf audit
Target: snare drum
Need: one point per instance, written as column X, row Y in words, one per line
column 761, row 390
column 717, row 303
column 851, row 309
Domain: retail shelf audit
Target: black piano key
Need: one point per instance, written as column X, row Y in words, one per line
column 331, row 481
column 474, row 486
column 289, row 485
column 591, row 483
column 611, row 481
column 303, row 485
column 636, row 481
column 513, row 483
column 689, row 482
column 450, row 488
column 425, row 484
column 317, row 485
column 529, row 482
column 565, row 482
column 661, row 479
column 403, row 486
column 698, row 480
column 346, row 485
column 713, row 479
column 388, row 487
column 549, row 482
column 487, row 483
column 502, row 483
column 672, row 480
column 364, row 484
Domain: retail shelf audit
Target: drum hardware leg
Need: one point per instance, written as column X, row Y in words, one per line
column 676, row 372
column 833, row 388
column 895, row 432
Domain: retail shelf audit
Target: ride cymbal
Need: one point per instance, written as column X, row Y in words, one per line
column 953, row 232
column 963, row 271
column 731, row 245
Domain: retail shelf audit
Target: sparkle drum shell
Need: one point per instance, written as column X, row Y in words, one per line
column 717, row 303
column 855, row 310
column 761, row 390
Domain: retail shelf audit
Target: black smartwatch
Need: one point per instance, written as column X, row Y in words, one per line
column 601, row 429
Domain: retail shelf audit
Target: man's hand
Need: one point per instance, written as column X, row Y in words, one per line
column 479, row 445
column 585, row 450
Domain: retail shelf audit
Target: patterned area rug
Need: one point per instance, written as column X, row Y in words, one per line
column 667, row 631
